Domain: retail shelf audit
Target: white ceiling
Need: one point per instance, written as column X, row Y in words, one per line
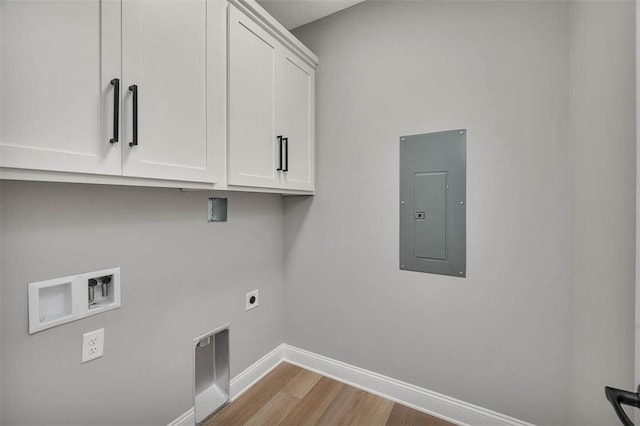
column 294, row 13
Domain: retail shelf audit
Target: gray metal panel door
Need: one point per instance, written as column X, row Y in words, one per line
column 432, row 203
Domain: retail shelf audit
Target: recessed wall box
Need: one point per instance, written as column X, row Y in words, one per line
column 211, row 373
column 217, row 209
column 433, row 203
column 50, row 303
column 62, row 300
column 101, row 292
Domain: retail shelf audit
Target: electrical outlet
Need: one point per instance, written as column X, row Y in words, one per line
column 92, row 345
column 253, row 299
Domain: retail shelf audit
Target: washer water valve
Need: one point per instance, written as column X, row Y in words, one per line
column 105, row 284
column 92, row 292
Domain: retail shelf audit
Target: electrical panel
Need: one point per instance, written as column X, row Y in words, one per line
column 433, row 203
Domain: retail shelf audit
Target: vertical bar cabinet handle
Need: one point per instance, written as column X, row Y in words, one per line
column 280, row 153
column 116, row 109
column 286, row 154
column 134, row 89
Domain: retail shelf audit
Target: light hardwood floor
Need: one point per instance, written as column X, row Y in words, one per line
column 290, row 395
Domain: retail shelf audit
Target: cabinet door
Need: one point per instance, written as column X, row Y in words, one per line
column 253, row 146
column 58, row 58
column 295, row 116
column 164, row 51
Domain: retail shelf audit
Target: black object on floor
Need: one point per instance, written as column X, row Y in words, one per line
column 619, row 397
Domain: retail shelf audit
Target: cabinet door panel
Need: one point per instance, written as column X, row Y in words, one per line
column 253, row 146
column 56, row 108
column 295, row 117
column 165, row 55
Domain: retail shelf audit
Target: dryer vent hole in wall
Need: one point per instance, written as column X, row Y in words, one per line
column 211, row 373
column 252, row 299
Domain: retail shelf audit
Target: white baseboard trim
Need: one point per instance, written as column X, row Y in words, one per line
column 241, row 383
column 256, row 371
column 186, row 419
column 424, row 400
column 451, row 409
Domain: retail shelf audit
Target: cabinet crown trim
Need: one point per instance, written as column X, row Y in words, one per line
column 256, row 12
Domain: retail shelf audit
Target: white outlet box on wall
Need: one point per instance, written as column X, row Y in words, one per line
column 92, row 345
column 62, row 300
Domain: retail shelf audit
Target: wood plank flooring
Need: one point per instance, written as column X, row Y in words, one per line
column 290, row 395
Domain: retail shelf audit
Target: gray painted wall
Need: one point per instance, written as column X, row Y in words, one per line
column 546, row 93
column 546, row 89
column 181, row 277
column 602, row 205
column 0, row 305
column 498, row 338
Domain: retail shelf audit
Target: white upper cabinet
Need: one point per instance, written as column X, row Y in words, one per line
column 295, row 97
column 164, row 74
column 253, row 147
column 271, row 105
column 68, row 73
column 57, row 103
column 202, row 94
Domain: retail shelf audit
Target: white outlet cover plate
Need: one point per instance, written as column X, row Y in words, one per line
column 256, row 294
column 92, row 345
